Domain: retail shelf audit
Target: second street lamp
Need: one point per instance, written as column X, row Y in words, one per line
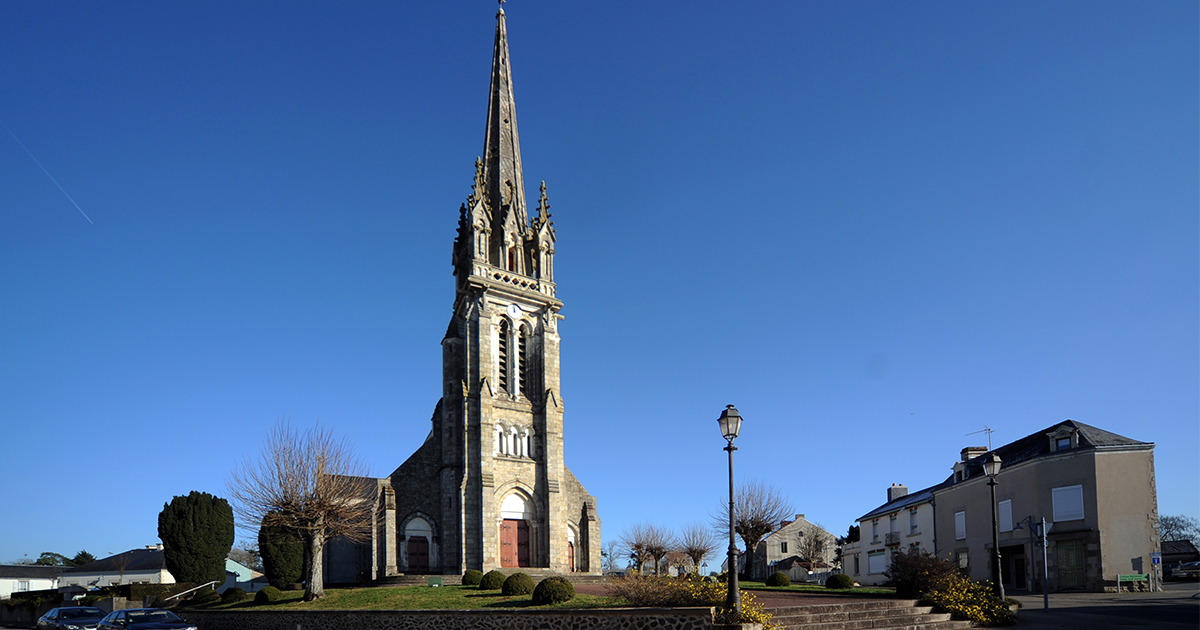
column 731, row 422
column 991, row 468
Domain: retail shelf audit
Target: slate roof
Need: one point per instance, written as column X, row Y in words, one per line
column 132, row 560
column 1029, row 447
column 1178, row 547
column 29, row 571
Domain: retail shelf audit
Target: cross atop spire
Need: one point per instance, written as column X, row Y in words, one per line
column 504, row 183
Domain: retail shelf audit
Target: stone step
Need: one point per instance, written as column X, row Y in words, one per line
column 872, row 623
column 857, row 616
column 895, row 614
column 861, row 605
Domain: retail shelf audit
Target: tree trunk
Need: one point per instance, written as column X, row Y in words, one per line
column 314, row 586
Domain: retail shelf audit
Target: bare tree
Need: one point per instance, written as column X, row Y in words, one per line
column 644, row 542
column 246, row 554
column 612, row 553
column 759, row 508
column 697, row 542
column 678, row 559
column 311, row 483
column 815, row 545
column 1178, row 527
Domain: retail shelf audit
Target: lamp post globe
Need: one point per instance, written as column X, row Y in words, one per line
column 731, row 423
column 991, row 468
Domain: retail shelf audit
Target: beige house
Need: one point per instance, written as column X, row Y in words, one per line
column 794, row 548
column 905, row 522
column 1096, row 487
column 137, row 566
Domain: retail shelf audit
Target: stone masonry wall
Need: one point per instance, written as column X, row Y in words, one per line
column 598, row 619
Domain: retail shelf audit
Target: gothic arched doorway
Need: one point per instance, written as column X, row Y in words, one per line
column 515, row 516
column 417, row 535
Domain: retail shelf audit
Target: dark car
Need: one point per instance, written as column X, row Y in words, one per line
column 71, row 618
column 144, row 619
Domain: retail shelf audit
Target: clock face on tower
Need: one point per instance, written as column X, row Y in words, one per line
column 514, row 311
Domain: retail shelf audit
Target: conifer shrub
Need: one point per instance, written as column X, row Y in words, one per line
column 839, row 580
column 492, row 580
column 234, row 595
column 517, row 584
column 268, row 595
column 472, row 577
column 282, row 552
column 197, row 533
column 779, row 578
column 553, row 590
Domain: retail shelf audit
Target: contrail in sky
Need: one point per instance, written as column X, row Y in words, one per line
column 64, row 190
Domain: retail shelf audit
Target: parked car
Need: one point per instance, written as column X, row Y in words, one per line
column 144, row 619
column 71, row 618
column 1186, row 571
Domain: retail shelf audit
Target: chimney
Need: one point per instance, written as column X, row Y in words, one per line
column 971, row 452
column 896, row 491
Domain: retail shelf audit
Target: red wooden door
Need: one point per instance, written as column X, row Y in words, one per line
column 418, row 553
column 571, row 556
column 523, row 543
column 508, row 542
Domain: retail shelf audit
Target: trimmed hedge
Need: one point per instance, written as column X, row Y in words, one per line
column 234, row 595
column 267, row 595
column 472, row 577
column 839, row 580
column 553, row 590
column 779, row 578
column 204, row 596
column 517, row 584
column 491, row 580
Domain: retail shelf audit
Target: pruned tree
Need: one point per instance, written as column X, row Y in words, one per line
column 644, row 543
column 658, row 543
column 759, row 508
column 308, row 482
column 1178, row 527
column 196, row 533
column 678, row 559
column 633, row 546
column 697, row 542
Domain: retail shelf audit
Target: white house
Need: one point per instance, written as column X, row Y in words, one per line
column 905, row 522
column 20, row 578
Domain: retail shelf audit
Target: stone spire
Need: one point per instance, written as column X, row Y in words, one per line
column 504, row 184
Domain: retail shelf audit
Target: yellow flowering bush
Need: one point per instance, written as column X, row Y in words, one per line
column 656, row 591
column 966, row 599
column 713, row 593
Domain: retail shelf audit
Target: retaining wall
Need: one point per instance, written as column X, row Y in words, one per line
column 590, row 619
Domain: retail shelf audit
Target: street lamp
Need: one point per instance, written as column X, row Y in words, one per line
column 991, row 468
column 731, row 422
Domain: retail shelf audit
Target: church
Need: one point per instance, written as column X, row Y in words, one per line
column 488, row 489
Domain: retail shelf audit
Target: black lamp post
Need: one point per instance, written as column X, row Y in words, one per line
column 991, row 468
column 731, row 423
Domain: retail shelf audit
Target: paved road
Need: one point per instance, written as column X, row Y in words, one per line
column 1177, row 607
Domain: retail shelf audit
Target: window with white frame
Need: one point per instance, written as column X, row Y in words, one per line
column 1005, row 509
column 960, row 526
column 22, row 585
column 875, row 530
column 856, row 567
column 892, row 526
column 1068, row 503
column 913, row 526
column 964, row 560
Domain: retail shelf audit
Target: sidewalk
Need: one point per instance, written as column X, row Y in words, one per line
column 1177, row 607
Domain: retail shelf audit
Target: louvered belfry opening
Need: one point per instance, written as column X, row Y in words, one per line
column 522, row 374
column 504, row 376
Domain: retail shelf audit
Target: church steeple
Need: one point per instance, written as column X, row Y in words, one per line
column 494, row 224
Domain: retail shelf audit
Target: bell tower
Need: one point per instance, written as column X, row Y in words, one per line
column 508, row 498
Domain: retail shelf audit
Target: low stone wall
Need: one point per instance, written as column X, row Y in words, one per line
column 590, row 619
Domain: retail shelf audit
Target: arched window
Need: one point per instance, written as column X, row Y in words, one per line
column 504, row 358
column 522, row 373
column 514, row 443
column 525, row 444
column 498, row 441
column 512, row 257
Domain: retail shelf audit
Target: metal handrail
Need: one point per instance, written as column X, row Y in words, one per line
column 192, row 589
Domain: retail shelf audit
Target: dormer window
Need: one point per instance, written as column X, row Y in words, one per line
column 1063, row 444
column 1064, row 438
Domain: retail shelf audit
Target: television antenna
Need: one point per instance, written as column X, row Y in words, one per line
column 989, row 431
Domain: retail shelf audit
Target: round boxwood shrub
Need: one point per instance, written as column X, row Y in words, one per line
column 205, row 596
column 517, row 584
column 839, row 580
column 472, row 577
column 779, row 578
column 267, row 595
column 234, row 595
column 491, row 580
column 553, row 590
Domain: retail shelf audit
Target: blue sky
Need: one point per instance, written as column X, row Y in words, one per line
column 874, row 227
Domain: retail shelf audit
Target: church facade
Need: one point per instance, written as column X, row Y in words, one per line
column 489, row 488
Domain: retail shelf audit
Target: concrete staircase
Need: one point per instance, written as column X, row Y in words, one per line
column 888, row 614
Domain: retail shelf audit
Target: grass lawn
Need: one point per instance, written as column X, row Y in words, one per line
column 817, row 589
column 415, row 598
